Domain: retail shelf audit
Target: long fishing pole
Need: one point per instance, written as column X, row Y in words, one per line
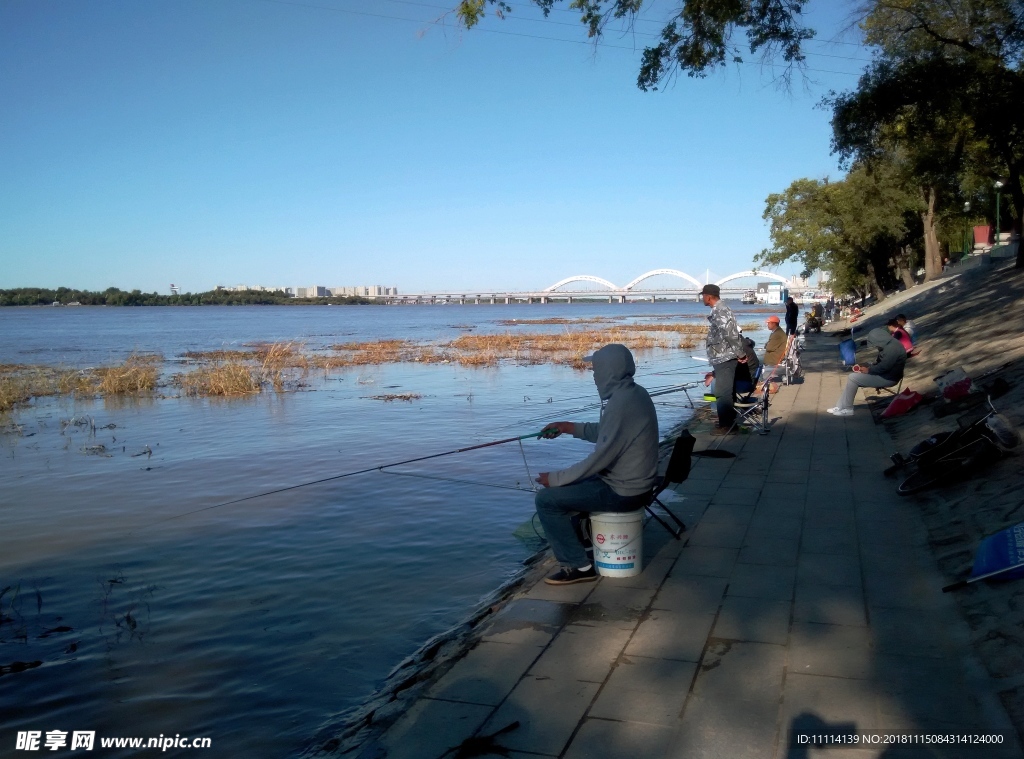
column 379, row 467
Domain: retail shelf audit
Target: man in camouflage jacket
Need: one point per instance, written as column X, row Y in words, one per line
column 725, row 353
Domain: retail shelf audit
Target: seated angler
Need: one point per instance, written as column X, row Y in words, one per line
column 907, row 326
column 774, row 350
column 618, row 476
column 885, row 372
column 897, row 332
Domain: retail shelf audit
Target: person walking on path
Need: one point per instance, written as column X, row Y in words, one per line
column 618, row 476
column 885, row 372
column 792, row 312
column 725, row 352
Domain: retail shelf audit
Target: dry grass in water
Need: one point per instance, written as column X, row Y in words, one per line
column 20, row 383
column 559, row 320
column 389, row 397
column 228, row 378
column 375, row 352
column 137, row 375
column 478, row 350
column 244, row 372
column 751, row 327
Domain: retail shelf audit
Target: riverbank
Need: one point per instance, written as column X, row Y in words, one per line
column 974, row 321
column 803, row 599
column 264, row 618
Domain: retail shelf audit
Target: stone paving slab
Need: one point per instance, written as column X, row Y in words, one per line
column 620, row 740
column 641, row 689
column 804, row 596
column 548, row 712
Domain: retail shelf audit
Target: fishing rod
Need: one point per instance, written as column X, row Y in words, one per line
column 667, row 389
column 379, row 467
column 971, row 580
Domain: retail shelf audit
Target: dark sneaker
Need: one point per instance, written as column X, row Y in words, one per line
column 568, row 575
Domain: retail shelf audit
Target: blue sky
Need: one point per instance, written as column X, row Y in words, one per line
column 346, row 142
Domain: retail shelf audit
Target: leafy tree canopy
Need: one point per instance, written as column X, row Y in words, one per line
column 859, row 229
column 112, row 296
column 698, row 36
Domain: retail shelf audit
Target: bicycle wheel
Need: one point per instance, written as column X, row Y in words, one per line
column 953, row 466
column 920, row 480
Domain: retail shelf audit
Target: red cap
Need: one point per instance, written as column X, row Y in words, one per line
column 773, row 319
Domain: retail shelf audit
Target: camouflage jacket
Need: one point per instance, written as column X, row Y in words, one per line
column 723, row 341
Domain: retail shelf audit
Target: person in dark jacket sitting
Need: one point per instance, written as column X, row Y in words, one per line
column 885, row 372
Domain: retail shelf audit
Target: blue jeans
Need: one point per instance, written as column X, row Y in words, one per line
column 556, row 506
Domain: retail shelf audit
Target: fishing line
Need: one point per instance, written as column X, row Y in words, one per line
column 460, row 482
column 379, row 467
column 668, row 389
column 529, row 477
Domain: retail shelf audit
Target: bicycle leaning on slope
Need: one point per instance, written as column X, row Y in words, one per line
column 980, row 439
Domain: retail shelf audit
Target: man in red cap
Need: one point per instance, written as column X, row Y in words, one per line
column 775, row 348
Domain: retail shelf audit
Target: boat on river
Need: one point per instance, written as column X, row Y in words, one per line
column 749, row 297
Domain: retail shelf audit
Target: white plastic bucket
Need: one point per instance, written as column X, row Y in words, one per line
column 618, row 539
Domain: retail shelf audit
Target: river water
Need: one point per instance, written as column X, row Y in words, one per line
column 132, row 609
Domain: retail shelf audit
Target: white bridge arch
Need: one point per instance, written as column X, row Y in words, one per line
column 672, row 272
column 752, row 273
column 656, row 272
column 581, row 278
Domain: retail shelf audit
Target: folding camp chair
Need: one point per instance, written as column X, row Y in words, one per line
column 677, row 471
column 752, row 407
column 790, row 366
column 891, row 390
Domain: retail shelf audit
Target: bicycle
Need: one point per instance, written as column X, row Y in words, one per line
column 979, row 440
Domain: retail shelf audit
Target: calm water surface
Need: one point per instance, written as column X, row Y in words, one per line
column 259, row 623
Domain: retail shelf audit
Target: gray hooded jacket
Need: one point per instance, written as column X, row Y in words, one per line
column 892, row 356
column 626, row 456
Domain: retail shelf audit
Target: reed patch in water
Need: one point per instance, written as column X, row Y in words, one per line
column 226, row 378
column 559, row 320
column 390, row 397
column 138, row 374
column 20, row 383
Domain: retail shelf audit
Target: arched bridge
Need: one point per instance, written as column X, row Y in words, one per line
column 697, row 284
column 633, row 290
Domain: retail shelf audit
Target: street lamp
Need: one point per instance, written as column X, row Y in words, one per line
column 967, row 228
column 998, row 185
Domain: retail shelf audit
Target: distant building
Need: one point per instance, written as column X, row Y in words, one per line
column 363, row 291
column 771, row 293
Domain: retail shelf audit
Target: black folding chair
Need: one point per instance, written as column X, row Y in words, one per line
column 677, row 471
column 752, row 406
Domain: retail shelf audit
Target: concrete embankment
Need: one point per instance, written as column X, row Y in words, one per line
column 805, row 598
column 974, row 321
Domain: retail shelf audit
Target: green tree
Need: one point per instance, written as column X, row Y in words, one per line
column 946, row 88
column 861, row 229
column 698, row 36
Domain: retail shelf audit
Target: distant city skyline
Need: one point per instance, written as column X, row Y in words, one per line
column 144, row 144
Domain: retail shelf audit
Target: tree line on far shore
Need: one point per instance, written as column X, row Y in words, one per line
column 112, row 296
column 931, row 138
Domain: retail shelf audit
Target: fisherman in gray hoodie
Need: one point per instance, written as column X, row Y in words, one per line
column 618, row 476
column 885, row 372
